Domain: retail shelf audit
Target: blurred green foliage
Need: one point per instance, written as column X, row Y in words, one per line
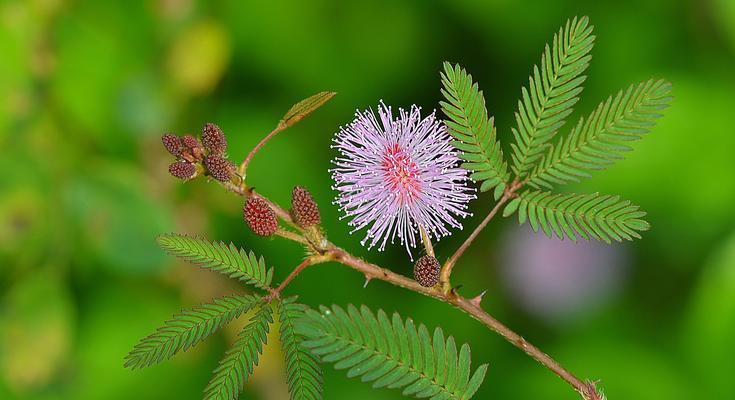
column 87, row 88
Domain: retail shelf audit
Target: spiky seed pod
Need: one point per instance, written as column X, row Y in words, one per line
column 426, row 271
column 182, row 170
column 218, row 167
column 214, row 139
column 303, row 208
column 190, row 141
column 172, row 143
column 260, row 217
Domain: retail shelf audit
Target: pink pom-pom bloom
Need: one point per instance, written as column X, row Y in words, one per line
column 394, row 175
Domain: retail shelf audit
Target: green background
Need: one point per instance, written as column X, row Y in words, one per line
column 88, row 87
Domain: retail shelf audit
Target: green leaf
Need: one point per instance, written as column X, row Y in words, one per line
column 218, row 256
column 599, row 141
column 603, row 217
column 237, row 365
column 305, row 107
column 552, row 90
column 303, row 372
column 469, row 124
column 391, row 352
column 186, row 329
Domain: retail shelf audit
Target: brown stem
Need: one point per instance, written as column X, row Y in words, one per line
column 276, row 293
column 292, row 236
column 470, row 306
column 372, row 271
column 244, row 166
column 446, row 271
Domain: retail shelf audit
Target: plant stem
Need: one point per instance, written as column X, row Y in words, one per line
column 307, row 262
column 446, row 271
column 244, row 166
column 372, row 271
column 472, row 307
column 292, row 236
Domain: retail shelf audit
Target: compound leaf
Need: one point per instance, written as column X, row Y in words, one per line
column 552, row 90
column 473, row 131
column 602, row 217
column 391, row 352
column 233, row 371
column 218, row 256
column 186, row 329
column 303, row 372
column 599, row 140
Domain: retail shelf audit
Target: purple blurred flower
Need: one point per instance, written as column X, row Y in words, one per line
column 560, row 280
column 395, row 175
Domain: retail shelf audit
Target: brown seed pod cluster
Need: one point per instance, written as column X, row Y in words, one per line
column 304, row 209
column 260, row 217
column 426, row 271
column 205, row 156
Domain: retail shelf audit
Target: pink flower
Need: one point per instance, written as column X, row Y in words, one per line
column 395, row 175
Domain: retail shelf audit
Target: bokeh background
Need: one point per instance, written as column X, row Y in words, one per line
column 88, row 87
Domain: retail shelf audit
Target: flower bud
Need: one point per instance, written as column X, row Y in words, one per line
column 260, row 217
column 219, row 168
column 214, row 139
column 182, row 170
column 303, row 208
column 172, row 143
column 426, row 271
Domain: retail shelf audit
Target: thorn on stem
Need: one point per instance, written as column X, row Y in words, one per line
column 591, row 392
column 478, row 299
column 367, row 280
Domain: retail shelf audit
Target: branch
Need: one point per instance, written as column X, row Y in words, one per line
column 472, row 307
column 244, row 191
column 244, row 166
column 276, row 293
column 372, row 271
column 446, row 271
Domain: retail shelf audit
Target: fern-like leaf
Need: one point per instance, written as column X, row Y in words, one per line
column 233, row 371
column 218, row 256
column 186, row 329
column 391, row 353
column 552, row 90
column 599, row 141
column 473, row 131
column 602, row 217
column 303, row 372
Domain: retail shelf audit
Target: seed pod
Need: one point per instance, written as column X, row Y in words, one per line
column 260, row 217
column 182, row 170
column 303, row 208
column 214, row 139
column 426, row 271
column 219, row 168
column 172, row 143
column 190, row 141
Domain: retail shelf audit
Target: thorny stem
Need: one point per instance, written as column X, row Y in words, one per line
column 472, row 307
column 244, row 166
column 446, row 271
